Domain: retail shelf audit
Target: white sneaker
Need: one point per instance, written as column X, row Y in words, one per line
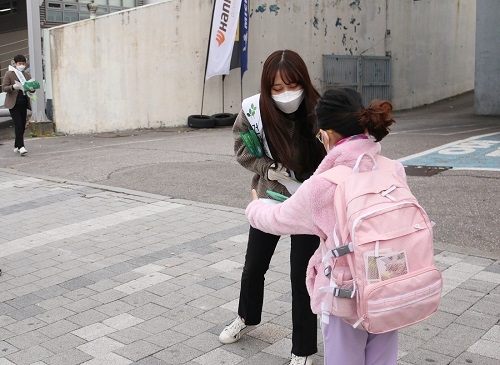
column 16, row 150
column 23, row 151
column 300, row 360
column 234, row 331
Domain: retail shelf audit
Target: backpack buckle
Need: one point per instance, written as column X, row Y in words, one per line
column 343, row 250
column 343, row 293
column 328, row 271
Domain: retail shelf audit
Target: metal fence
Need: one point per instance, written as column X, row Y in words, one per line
column 369, row 75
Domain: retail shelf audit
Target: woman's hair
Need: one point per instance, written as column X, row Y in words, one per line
column 342, row 111
column 292, row 69
column 19, row 58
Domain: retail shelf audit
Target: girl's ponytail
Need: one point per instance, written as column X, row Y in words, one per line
column 377, row 119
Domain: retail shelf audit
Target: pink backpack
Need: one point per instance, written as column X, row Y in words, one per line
column 381, row 270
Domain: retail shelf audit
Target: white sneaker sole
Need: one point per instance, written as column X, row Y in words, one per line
column 227, row 340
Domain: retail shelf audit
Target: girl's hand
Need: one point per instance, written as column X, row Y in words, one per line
column 254, row 195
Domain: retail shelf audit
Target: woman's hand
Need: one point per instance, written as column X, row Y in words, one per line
column 277, row 172
column 254, row 195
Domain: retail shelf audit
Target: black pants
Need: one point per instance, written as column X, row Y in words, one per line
column 260, row 250
column 18, row 114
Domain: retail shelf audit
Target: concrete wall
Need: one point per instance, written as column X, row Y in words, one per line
column 432, row 48
column 487, row 80
column 139, row 68
column 144, row 67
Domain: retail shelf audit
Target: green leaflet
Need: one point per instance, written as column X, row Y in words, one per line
column 276, row 196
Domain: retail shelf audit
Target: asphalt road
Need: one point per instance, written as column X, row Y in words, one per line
column 199, row 165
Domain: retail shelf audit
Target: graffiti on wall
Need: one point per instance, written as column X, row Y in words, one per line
column 343, row 28
column 273, row 8
column 261, row 8
column 355, row 4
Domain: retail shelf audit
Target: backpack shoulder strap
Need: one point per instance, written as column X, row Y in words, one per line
column 340, row 173
column 385, row 163
column 337, row 174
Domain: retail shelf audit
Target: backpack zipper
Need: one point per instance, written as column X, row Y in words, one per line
column 361, row 217
column 436, row 291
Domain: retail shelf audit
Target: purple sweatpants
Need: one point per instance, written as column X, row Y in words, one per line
column 345, row 345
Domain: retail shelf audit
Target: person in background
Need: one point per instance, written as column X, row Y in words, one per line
column 282, row 117
column 16, row 100
column 347, row 130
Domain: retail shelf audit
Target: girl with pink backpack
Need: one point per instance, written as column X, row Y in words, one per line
column 347, row 130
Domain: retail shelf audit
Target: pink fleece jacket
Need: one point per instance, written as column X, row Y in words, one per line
column 310, row 210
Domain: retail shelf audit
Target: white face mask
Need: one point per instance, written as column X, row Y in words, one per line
column 289, row 101
column 21, row 68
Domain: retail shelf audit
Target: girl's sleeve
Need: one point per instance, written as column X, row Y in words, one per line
column 293, row 216
column 258, row 165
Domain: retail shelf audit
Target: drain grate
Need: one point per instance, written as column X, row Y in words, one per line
column 112, row 135
column 425, row 170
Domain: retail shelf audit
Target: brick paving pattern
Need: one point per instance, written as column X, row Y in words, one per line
column 101, row 275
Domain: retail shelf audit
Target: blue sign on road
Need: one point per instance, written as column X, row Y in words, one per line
column 475, row 153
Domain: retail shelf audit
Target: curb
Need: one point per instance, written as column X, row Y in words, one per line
column 437, row 245
column 126, row 191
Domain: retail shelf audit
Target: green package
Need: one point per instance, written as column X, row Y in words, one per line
column 252, row 143
column 31, row 84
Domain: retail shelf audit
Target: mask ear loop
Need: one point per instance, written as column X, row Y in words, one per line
column 327, row 146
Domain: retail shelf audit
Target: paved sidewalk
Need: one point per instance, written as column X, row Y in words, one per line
column 100, row 275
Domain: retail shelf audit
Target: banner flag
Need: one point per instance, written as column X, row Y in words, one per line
column 222, row 36
column 236, row 55
column 239, row 57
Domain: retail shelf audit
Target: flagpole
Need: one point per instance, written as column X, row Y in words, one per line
column 206, row 60
column 244, row 22
column 202, row 96
column 223, row 78
column 35, row 53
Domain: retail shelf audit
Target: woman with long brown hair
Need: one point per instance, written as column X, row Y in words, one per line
column 283, row 154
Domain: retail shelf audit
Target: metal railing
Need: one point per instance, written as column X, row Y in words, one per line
column 9, row 50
